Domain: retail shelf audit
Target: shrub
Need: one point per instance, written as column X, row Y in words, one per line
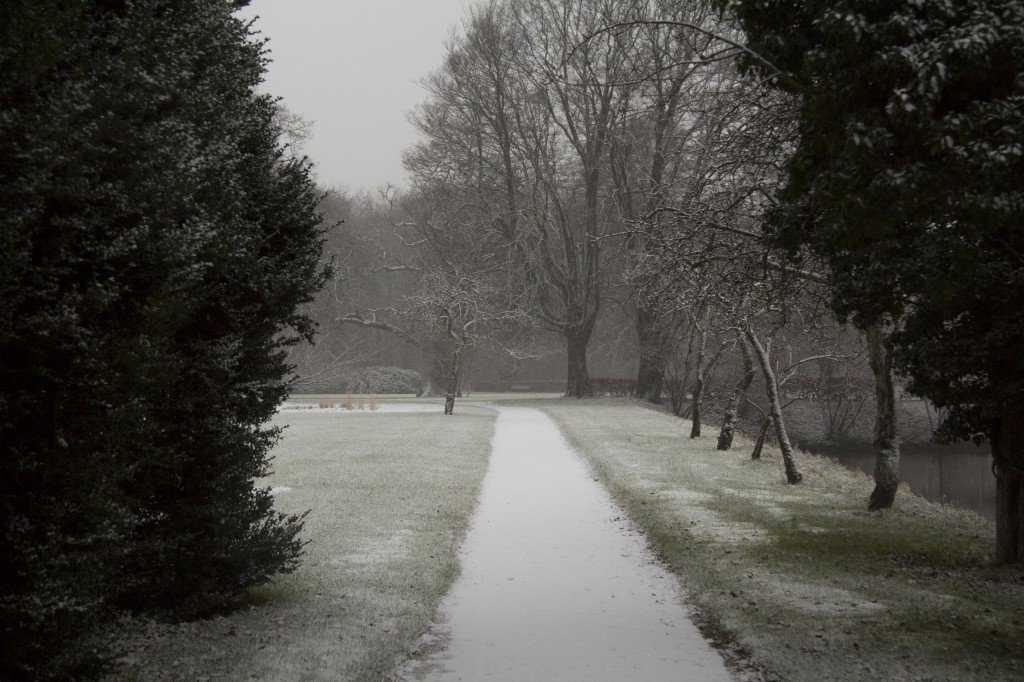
column 157, row 245
column 383, row 380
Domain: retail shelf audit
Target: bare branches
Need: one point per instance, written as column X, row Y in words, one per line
column 732, row 43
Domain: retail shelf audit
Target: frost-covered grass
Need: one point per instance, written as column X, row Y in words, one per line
column 801, row 579
column 391, row 496
column 402, row 401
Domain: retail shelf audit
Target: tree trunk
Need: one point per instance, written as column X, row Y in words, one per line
column 887, row 444
column 698, row 388
column 579, row 385
column 453, row 378
column 761, row 435
column 649, row 380
column 696, row 407
column 651, row 374
column 460, row 389
column 771, row 388
column 1007, row 440
column 732, row 410
column 685, row 408
column 432, row 387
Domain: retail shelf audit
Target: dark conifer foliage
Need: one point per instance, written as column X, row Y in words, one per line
column 155, row 248
column 907, row 183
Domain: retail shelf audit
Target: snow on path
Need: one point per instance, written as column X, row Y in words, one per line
column 553, row 587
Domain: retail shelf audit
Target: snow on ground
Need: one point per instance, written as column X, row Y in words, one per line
column 802, row 583
column 384, row 407
column 554, row 585
column 390, row 499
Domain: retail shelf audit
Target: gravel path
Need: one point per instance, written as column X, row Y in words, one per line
column 554, row 585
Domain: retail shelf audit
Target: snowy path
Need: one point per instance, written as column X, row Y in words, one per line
column 552, row 585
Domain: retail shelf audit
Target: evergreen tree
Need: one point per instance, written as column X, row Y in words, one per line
column 907, row 182
column 155, row 247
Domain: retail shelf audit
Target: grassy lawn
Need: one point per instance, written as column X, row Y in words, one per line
column 391, row 495
column 796, row 582
column 802, row 581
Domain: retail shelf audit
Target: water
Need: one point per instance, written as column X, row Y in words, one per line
column 554, row 586
column 960, row 474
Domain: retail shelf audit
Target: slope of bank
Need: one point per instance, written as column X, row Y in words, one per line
column 800, row 581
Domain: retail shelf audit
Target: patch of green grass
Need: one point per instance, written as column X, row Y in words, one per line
column 806, row 582
column 391, row 495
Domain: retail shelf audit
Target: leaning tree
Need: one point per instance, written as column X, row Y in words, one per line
column 906, row 182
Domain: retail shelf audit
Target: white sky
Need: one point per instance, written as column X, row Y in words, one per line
column 352, row 67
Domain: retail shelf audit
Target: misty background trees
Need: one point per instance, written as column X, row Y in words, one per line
column 607, row 167
column 706, row 216
column 581, row 158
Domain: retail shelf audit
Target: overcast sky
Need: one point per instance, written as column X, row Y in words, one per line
column 352, row 67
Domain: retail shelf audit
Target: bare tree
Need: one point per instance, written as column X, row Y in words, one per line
column 766, row 142
column 663, row 153
column 517, row 127
column 461, row 293
column 319, row 364
column 736, row 397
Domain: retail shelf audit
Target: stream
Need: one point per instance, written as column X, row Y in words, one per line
column 958, row 474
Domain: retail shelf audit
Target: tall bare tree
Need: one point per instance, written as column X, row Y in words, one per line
column 517, row 127
column 661, row 155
